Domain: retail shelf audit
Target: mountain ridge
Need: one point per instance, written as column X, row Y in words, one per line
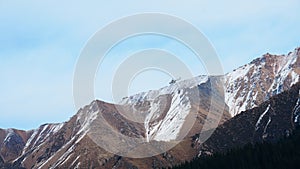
column 255, row 82
column 272, row 120
column 61, row 145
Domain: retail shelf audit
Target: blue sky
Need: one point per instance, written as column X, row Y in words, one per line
column 40, row 42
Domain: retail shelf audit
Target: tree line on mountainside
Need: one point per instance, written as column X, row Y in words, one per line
column 285, row 154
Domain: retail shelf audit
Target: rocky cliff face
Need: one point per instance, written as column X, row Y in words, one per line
column 254, row 83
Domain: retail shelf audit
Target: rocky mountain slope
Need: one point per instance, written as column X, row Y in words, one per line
column 270, row 121
column 179, row 100
column 254, row 83
column 173, row 113
column 72, row 144
column 13, row 141
column 248, row 86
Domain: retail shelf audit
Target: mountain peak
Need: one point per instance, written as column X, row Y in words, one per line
column 253, row 83
column 163, row 115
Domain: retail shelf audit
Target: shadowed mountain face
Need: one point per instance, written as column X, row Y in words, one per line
column 165, row 116
column 271, row 121
column 12, row 143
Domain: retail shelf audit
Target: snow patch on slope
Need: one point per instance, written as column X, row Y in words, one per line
column 152, row 94
column 233, row 87
column 261, row 117
column 9, row 134
column 87, row 115
column 296, row 111
column 174, row 120
column 170, row 125
column 154, row 110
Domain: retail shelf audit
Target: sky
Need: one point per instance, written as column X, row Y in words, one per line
column 40, row 42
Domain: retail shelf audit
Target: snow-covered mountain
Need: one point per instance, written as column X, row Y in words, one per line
column 161, row 115
column 245, row 87
column 250, row 85
column 167, row 108
column 164, row 115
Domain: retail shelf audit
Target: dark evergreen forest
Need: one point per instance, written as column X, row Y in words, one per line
column 285, row 154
